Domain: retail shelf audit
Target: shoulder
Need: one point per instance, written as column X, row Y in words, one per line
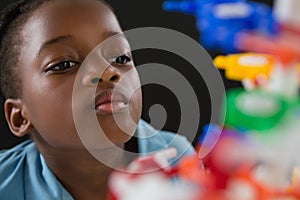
column 23, row 169
column 12, row 167
column 14, row 158
column 151, row 140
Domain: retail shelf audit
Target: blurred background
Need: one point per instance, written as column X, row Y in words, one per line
column 137, row 13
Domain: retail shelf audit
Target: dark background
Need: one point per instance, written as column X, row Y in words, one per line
column 141, row 13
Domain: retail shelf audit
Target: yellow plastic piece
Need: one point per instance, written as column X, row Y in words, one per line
column 245, row 65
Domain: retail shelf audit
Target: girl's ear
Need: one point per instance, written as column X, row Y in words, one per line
column 19, row 124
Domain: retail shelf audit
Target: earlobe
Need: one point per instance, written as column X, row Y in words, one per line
column 19, row 124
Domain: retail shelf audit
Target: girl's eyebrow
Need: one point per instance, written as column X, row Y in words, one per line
column 68, row 37
column 53, row 41
column 112, row 33
column 108, row 34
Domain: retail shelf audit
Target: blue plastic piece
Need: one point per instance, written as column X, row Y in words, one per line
column 209, row 129
column 220, row 21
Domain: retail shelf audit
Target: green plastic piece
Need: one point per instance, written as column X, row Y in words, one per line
column 254, row 110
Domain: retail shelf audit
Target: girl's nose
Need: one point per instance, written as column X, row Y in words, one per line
column 109, row 75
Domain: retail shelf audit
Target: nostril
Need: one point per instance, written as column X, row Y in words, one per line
column 114, row 78
column 96, row 80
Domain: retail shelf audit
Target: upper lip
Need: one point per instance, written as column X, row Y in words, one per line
column 110, row 95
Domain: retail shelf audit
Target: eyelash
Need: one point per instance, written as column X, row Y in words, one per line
column 61, row 66
column 120, row 60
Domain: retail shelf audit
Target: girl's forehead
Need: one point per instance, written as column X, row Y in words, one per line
column 84, row 20
column 69, row 7
column 70, row 15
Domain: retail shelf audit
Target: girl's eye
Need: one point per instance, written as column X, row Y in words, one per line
column 121, row 60
column 61, row 67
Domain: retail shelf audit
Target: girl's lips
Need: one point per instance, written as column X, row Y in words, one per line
column 109, row 102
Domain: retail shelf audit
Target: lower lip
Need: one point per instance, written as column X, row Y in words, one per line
column 111, row 107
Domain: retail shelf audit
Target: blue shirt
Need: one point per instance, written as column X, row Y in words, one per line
column 24, row 173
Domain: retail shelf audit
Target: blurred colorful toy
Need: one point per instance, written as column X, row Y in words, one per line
column 239, row 67
column 287, row 14
column 234, row 170
column 219, row 22
column 232, row 26
column 149, row 177
column 263, row 71
column 284, row 45
column 237, row 169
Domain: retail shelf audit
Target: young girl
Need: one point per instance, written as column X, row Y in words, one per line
column 43, row 45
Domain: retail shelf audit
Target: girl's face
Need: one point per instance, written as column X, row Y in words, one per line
column 56, row 40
